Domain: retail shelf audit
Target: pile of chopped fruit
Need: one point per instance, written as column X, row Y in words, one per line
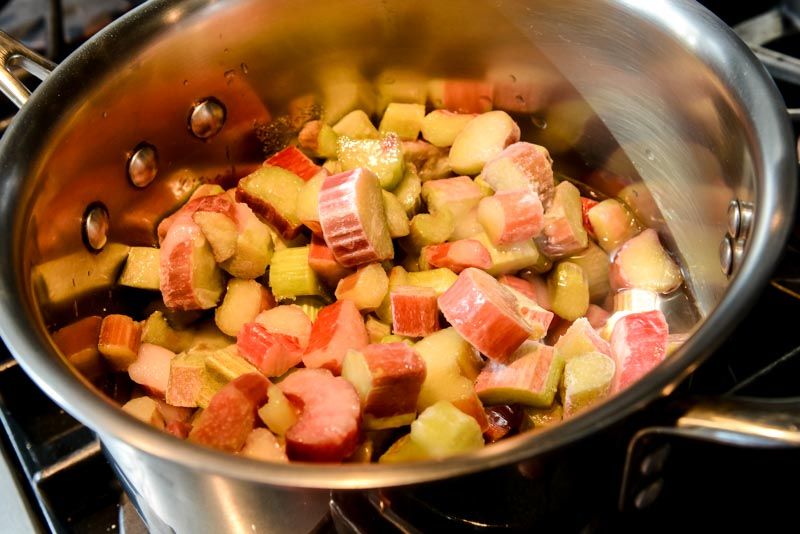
column 383, row 297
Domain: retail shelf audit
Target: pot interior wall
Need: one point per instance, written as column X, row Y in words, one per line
column 622, row 105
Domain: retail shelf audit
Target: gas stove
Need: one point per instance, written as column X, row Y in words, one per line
column 54, row 477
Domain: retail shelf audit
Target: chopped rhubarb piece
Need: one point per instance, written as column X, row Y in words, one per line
column 537, row 317
column 231, row 414
column 563, row 233
column 388, row 378
column 457, row 255
column 220, row 231
column 319, row 138
column 294, row 161
column 586, row 205
column 396, row 218
column 151, row 369
column 644, row 264
column 376, row 329
column 612, row 224
column 541, row 417
column 531, row 378
column 510, row 258
column 353, row 219
column 226, row 364
column 272, row 354
column 356, row 125
column 145, row 409
column 443, row 430
column 540, row 287
column 157, row 330
column 481, row 140
column 581, row 338
column 458, row 195
column 78, row 343
column 330, row 412
column 597, row 316
column 595, row 264
column 206, row 190
column 186, row 379
column 430, row 162
column 522, row 165
column 485, row 313
column 261, row 444
column 321, row 259
column 141, row 269
column 243, row 300
column 414, row 311
column 308, row 202
column 272, row 193
column 511, row 216
column 383, row 157
column 638, row 344
column 179, row 429
column 366, row 288
column 428, row 229
column 291, row 276
column 188, row 274
column 440, row 127
column 520, row 284
column 289, row 320
column 254, row 245
column 462, row 96
column 405, row 120
column 119, row 340
column 278, row 413
column 173, row 414
column 569, row 290
column 587, row 381
column 338, row 328
column 208, row 203
column 504, row 419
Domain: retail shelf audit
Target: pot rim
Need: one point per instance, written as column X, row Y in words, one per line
column 774, row 161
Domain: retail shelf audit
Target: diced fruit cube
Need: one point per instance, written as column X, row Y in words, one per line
column 78, row 343
column 396, row 218
column 644, row 264
column 338, row 328
column 408, row 191
column 456, row 255
column 254, row 246
column 414, row 311
column 587, row 381
column 405, row 120
column 509, row 258
column 156, row 330
column 278, row 413
column 457, row 195
column 328, row 426
column 209, row 337
column 376, row 330
column 388, row 378
column 188, row 382
column 534, row 418
column 145, row 409
column 511, row 216
column 291, row 276
column 383, row 157
column 141, row 269
column 243, row 300
column 356, row 125
column 366, row 288
column 522, row 165
column 261, row 444
column 563, row 233
column 581, row 338
column 319, row 138
column 321, row 259
column 612, row 223
column 151, row 369
column 569, row 291
column 220, row 231
column 595, row 263
column 294, row 161
column 440, row 127
column 397, row 276
column 443, row 430
column 188, row 273
column 231, row 414
column 485, row 313
column 483, row 138
column 461, row 95
column 120, row 337
column 272, row 354
column 531, row 377
column 638, row 344
column 448, row 348
column 439, row 280
column 308, row 203
column 287, row 319
column 430, row 162
column 353, row 219
column 272, row 192
column 226, row 364
column 428, row 229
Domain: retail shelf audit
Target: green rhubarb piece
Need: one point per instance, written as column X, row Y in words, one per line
column 275, row 187
column 595, row 263
column 327, row 142
column 208, row 337
column 587, row 381
column 311, row 306
column 290, row 276
column 226, row 364
column 396, row 218
column 278, row 413
column 409, row 191
column 405, row 120
column 356, row 125
column 439, row 280
column 66, row 278
column 541, row 417
column 384, row 157
column 377, row 330
column 569, row 291
column 429, row 229
column 394, row 338
column 531, row 379
column 141, row 271
column 403, row 450
column 157, row 331
column 507, row 259
column 443, row 430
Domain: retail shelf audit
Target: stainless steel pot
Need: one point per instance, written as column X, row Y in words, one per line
column 659, row 92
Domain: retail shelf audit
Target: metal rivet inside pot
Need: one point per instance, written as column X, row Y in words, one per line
column 654, row 463
column 207, row 118
column 648, row 495
column 726, row 255
column 734, row 219
column 143, row 165
column 95, row 226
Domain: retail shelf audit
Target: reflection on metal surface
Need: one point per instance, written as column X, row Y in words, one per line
column 207, row 118
column 13, row 55
column 726, row 255
column 95, row 226
column 142, row 166
column 756, row 423
column 734, row 219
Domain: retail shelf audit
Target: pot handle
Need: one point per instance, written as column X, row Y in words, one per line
column 13, row 55
column 733, row 421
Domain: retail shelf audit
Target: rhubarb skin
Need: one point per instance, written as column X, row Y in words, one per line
column 485, row 314
column 78, row 343
column 511, row 216
column 586, row 205
column 272, row 354
column 638, row 344
column 338, row 328
column 120, row 337
column 151, row 369
column 537, row 317
column 321, row 259
column 414, row 311
column 328, row 426
column 457, row 255
column 522, row 165
column 353, row 219
column 530, row 378
column 271, row 192
column 231, row 414
column 218, row 203
column 581, row 338
column 563, row 233
column 294, row 161
column 289, row 320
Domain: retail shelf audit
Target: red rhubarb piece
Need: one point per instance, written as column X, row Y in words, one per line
column 586, row 205
column 457, row 255
column 151, row 369
column 520, row 284
column 293, row 160
column 511, row 216
column 338, row 328
column 638, row 344
column 414, row 311
column 320, row 258
column 220, row 203
column 522, row 165
column 271, row 353
column 329, row 419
